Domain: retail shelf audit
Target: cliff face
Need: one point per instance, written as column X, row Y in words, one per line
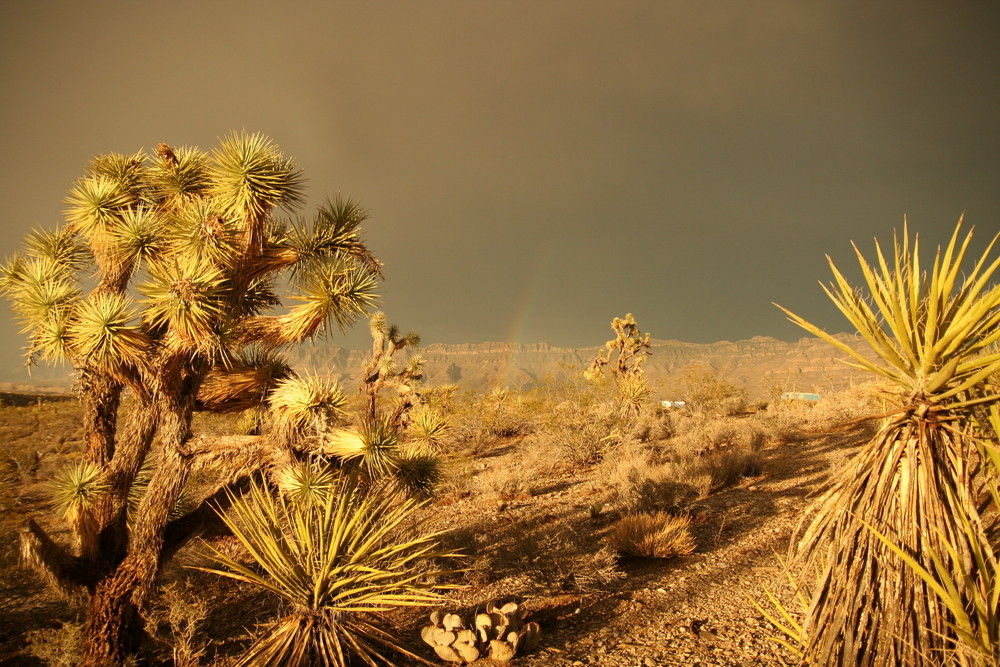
column 762, row 364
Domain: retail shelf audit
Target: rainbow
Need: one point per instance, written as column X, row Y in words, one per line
column 524, row 310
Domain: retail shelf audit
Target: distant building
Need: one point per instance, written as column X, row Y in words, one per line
column 799, row 396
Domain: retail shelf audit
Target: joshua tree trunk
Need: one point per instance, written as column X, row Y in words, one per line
column 113, row 626
column 100, row 398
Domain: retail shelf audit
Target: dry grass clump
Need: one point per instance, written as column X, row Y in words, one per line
column 577, row 439
column 729, row 467
column 58, row 647
column 176, row 621
column 657, row 535
column 596, row 571
column 842, row 407
column 505, row 484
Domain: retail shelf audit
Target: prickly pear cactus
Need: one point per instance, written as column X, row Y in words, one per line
column 497, row 632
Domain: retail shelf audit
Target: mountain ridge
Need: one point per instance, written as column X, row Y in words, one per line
column 763, row 364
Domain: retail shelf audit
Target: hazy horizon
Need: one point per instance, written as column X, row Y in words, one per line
column 534, row 169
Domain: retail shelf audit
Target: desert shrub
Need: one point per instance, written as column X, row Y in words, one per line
column 641, row 484
column 729, row 467
column 657, row 535
column 176, row 619
column 694, row 474
column 57, row 647
column 500, row 413
column 702, row 437
column 781, row 423
column 849, row 405
column 579, row 439
column 703, row 389
column 651, row 423
column 505, row 483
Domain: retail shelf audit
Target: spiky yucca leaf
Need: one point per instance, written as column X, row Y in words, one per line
column 933, row 337
column 301, row 404
column 127, row 172
column 306, row 481
column 51, row 340
column 102, row 333
column 335, row 231
column 180, row 174
column 42, row 292
column 185, row 297
column 138, row 237
column 417, row 470
column 334, row 291
column 10, row 272
column 198, row 229
column 374, row 447
column 969, row 589
column 260, row 296
column 96, row 204
column 339, row 563
column 250, row 176
column 76, row 488
column 783, row 619
column 428, row 427
column 631, row 391
column 75, row 491
column 245, row 383
column 916, row 479
column 61, row 247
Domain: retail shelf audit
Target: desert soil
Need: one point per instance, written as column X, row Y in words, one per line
column 692, row 610
column 533, row 549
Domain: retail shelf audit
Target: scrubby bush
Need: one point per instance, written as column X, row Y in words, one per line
column 641, row 483
column 657, row 535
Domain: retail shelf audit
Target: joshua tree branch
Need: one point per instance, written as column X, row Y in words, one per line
column 202, row 521
column 67, row 574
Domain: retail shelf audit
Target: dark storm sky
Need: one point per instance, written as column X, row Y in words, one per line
column 535, row 168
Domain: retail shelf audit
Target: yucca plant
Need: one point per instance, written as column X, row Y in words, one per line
column 917, row 481
column 428, row 427
column 75, row 493
column 164, row 284
column 340, row 564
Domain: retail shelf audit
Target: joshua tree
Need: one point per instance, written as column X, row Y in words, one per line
column 623, row 356
column 187, row 254
column 381, row 371
column 914, row 492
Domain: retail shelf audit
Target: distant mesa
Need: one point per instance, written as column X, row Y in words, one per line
column 762, row 364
